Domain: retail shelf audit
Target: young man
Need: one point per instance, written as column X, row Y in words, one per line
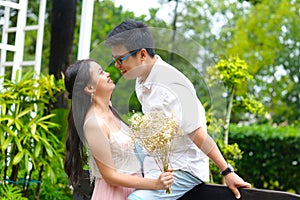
column 160, row 86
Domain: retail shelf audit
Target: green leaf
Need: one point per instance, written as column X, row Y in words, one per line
column 18, row 157
column 3, row 108
column 6, row 143
column 18, row 124
column 17, row 142
column 8, row 118
column 36, row 137
column 33, row 128
column 37, row 149
column 51, row 173
column 9, row 131
column 26, row 155
column 45, row 118
column 24, row 112
column 45, row 127
column 49, row 152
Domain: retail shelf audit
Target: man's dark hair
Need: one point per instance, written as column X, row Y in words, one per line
column 133, row 35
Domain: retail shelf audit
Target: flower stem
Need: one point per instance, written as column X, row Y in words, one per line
column 168, row 191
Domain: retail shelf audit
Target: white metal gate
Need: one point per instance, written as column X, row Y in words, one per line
column 20, row 30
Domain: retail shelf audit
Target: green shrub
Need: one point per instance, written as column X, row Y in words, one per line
column 8, row 192
column 28, row 139
column 271, row 156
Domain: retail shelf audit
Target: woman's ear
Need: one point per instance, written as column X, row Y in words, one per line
column 89, row 89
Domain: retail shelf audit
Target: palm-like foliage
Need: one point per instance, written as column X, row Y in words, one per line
column 27, row 134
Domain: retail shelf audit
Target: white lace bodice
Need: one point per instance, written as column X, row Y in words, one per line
column 122, row 150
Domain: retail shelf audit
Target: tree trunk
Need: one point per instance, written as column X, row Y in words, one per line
column 228, row 113
column 62, row 33
column 38, row 187
column 174, row 32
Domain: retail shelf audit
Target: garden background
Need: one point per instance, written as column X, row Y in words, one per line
column 251, row 53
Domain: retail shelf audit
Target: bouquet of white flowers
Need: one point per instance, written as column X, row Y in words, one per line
column 155, row 132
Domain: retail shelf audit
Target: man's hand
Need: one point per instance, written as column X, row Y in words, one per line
column 233, row 181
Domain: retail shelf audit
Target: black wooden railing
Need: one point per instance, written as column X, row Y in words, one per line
column 202, row 192
column 222, row 192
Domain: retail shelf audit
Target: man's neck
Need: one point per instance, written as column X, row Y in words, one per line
column 149, row 67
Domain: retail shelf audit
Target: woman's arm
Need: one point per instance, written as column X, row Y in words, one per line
column 97, row 134
column 112, row 177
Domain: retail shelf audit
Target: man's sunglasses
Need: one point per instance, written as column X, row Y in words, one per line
column 120, row 59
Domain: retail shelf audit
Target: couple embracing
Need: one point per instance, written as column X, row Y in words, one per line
column 95, row 126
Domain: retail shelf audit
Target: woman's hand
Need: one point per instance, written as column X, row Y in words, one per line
column 165, row 180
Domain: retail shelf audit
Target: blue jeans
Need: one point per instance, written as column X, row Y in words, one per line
column 183, row 182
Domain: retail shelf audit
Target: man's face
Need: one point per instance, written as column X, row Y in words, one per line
column 126, row 62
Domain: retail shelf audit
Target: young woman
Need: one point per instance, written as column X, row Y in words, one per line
column 94, row 124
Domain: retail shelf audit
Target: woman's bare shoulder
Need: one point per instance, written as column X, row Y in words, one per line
column 94, row 123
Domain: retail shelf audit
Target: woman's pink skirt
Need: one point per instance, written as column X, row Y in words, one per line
column 104, row 191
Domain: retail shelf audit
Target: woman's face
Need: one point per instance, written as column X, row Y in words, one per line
column 100, row 79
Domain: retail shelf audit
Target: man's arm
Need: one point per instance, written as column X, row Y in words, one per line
column 209, row 147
